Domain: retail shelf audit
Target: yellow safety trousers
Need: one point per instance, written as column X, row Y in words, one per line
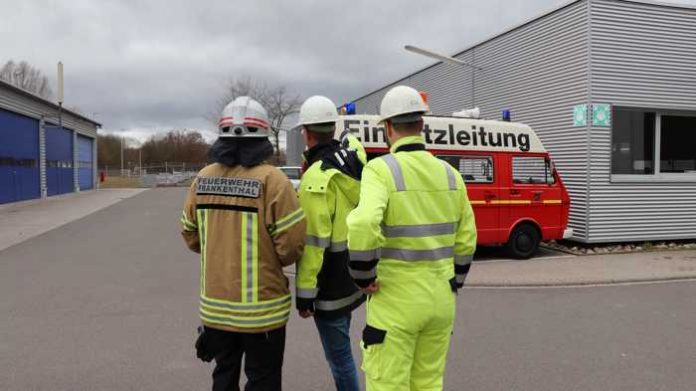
column 416, row 311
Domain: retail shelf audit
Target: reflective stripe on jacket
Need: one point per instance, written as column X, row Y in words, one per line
column 327, row 195
column 247, row 224
column 414, row 218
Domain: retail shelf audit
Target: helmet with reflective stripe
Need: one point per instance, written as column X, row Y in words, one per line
column 244, row 117
column 318, row 110
column 401, row 101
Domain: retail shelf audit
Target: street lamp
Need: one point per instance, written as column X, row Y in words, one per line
column 440, row 57
column 449, row 60
column 122, row 152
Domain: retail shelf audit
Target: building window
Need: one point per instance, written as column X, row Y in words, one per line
column 677, row 144
column 649, row 142
column 633, row 142
column 9, row 161
column 531, row 170
column 474, row 169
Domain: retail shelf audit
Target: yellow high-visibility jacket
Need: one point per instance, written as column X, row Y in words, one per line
column 330, row 189
column 414, row 218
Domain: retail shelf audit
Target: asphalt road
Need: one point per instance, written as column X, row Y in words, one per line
column 108, row 302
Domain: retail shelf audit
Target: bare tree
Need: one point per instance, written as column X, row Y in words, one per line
column 279, row 103
column 25, row 76
column 179, row 145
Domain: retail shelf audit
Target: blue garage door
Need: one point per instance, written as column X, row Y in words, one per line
column 84, row 161
column 59, row 160
column 19, row 157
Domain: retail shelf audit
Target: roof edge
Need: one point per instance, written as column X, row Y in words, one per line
column 47, row 102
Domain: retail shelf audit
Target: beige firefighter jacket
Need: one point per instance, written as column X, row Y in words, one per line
column 247, row 225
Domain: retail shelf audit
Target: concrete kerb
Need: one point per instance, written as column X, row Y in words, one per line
column 585, row 271
column 582, row 284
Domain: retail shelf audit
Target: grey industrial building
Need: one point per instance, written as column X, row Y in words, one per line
column 39, row 158
column 610, row 88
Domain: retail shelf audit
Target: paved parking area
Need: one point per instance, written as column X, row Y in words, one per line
column 25, row 220
column 109, row 302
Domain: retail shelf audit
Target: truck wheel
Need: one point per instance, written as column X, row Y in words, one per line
column 524, row 241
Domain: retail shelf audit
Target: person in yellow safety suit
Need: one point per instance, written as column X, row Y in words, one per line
column 329, row 190
column 411, row 242
column 243, row 216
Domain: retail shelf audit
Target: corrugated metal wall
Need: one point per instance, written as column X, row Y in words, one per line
column 28, row 106
column 19, row 157
column 644, row 56
column 539, row 71
column 85, row 162
column 60, row 174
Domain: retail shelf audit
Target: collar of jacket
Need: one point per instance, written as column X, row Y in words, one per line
column 320, row 150
column 410, row 140
column 247, row 152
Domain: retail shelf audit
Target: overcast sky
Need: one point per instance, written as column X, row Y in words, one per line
column 150, row 66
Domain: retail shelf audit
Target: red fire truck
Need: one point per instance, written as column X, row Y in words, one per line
column 517, row 195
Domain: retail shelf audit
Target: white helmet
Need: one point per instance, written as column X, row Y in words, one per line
column 402, row 100
column 318, row 110
column 244, row 117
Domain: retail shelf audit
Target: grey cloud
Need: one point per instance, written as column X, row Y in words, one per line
column 156, row 65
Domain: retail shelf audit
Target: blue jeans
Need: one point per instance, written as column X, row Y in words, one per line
column 335, row 338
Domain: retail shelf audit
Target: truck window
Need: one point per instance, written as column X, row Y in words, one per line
column 474, row 169
column 532, row 170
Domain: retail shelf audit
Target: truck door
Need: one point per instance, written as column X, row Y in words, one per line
column 478, row 172
column 533, row 195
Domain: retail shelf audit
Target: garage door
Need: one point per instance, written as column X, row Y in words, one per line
column 84, row 161
column 59, row 160
column 19, row 157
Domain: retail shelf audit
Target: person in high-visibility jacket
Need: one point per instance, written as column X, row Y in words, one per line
column 329, row 190
column 243, row 216
column 411, row 242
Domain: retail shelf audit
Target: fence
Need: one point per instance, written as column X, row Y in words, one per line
column 153, row 175
column 150, row 169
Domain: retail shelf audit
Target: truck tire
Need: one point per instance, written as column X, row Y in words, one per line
column 524, row 241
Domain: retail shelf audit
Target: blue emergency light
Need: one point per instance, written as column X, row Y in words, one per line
column 506, row 115
column 350, row 108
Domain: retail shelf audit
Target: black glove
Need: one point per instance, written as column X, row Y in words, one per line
column 455, row 285
column 203, row 348
column 304, row 304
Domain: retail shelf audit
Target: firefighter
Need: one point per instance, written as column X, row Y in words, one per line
column 243, row 216
column 411, row 242
column 328, row 192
